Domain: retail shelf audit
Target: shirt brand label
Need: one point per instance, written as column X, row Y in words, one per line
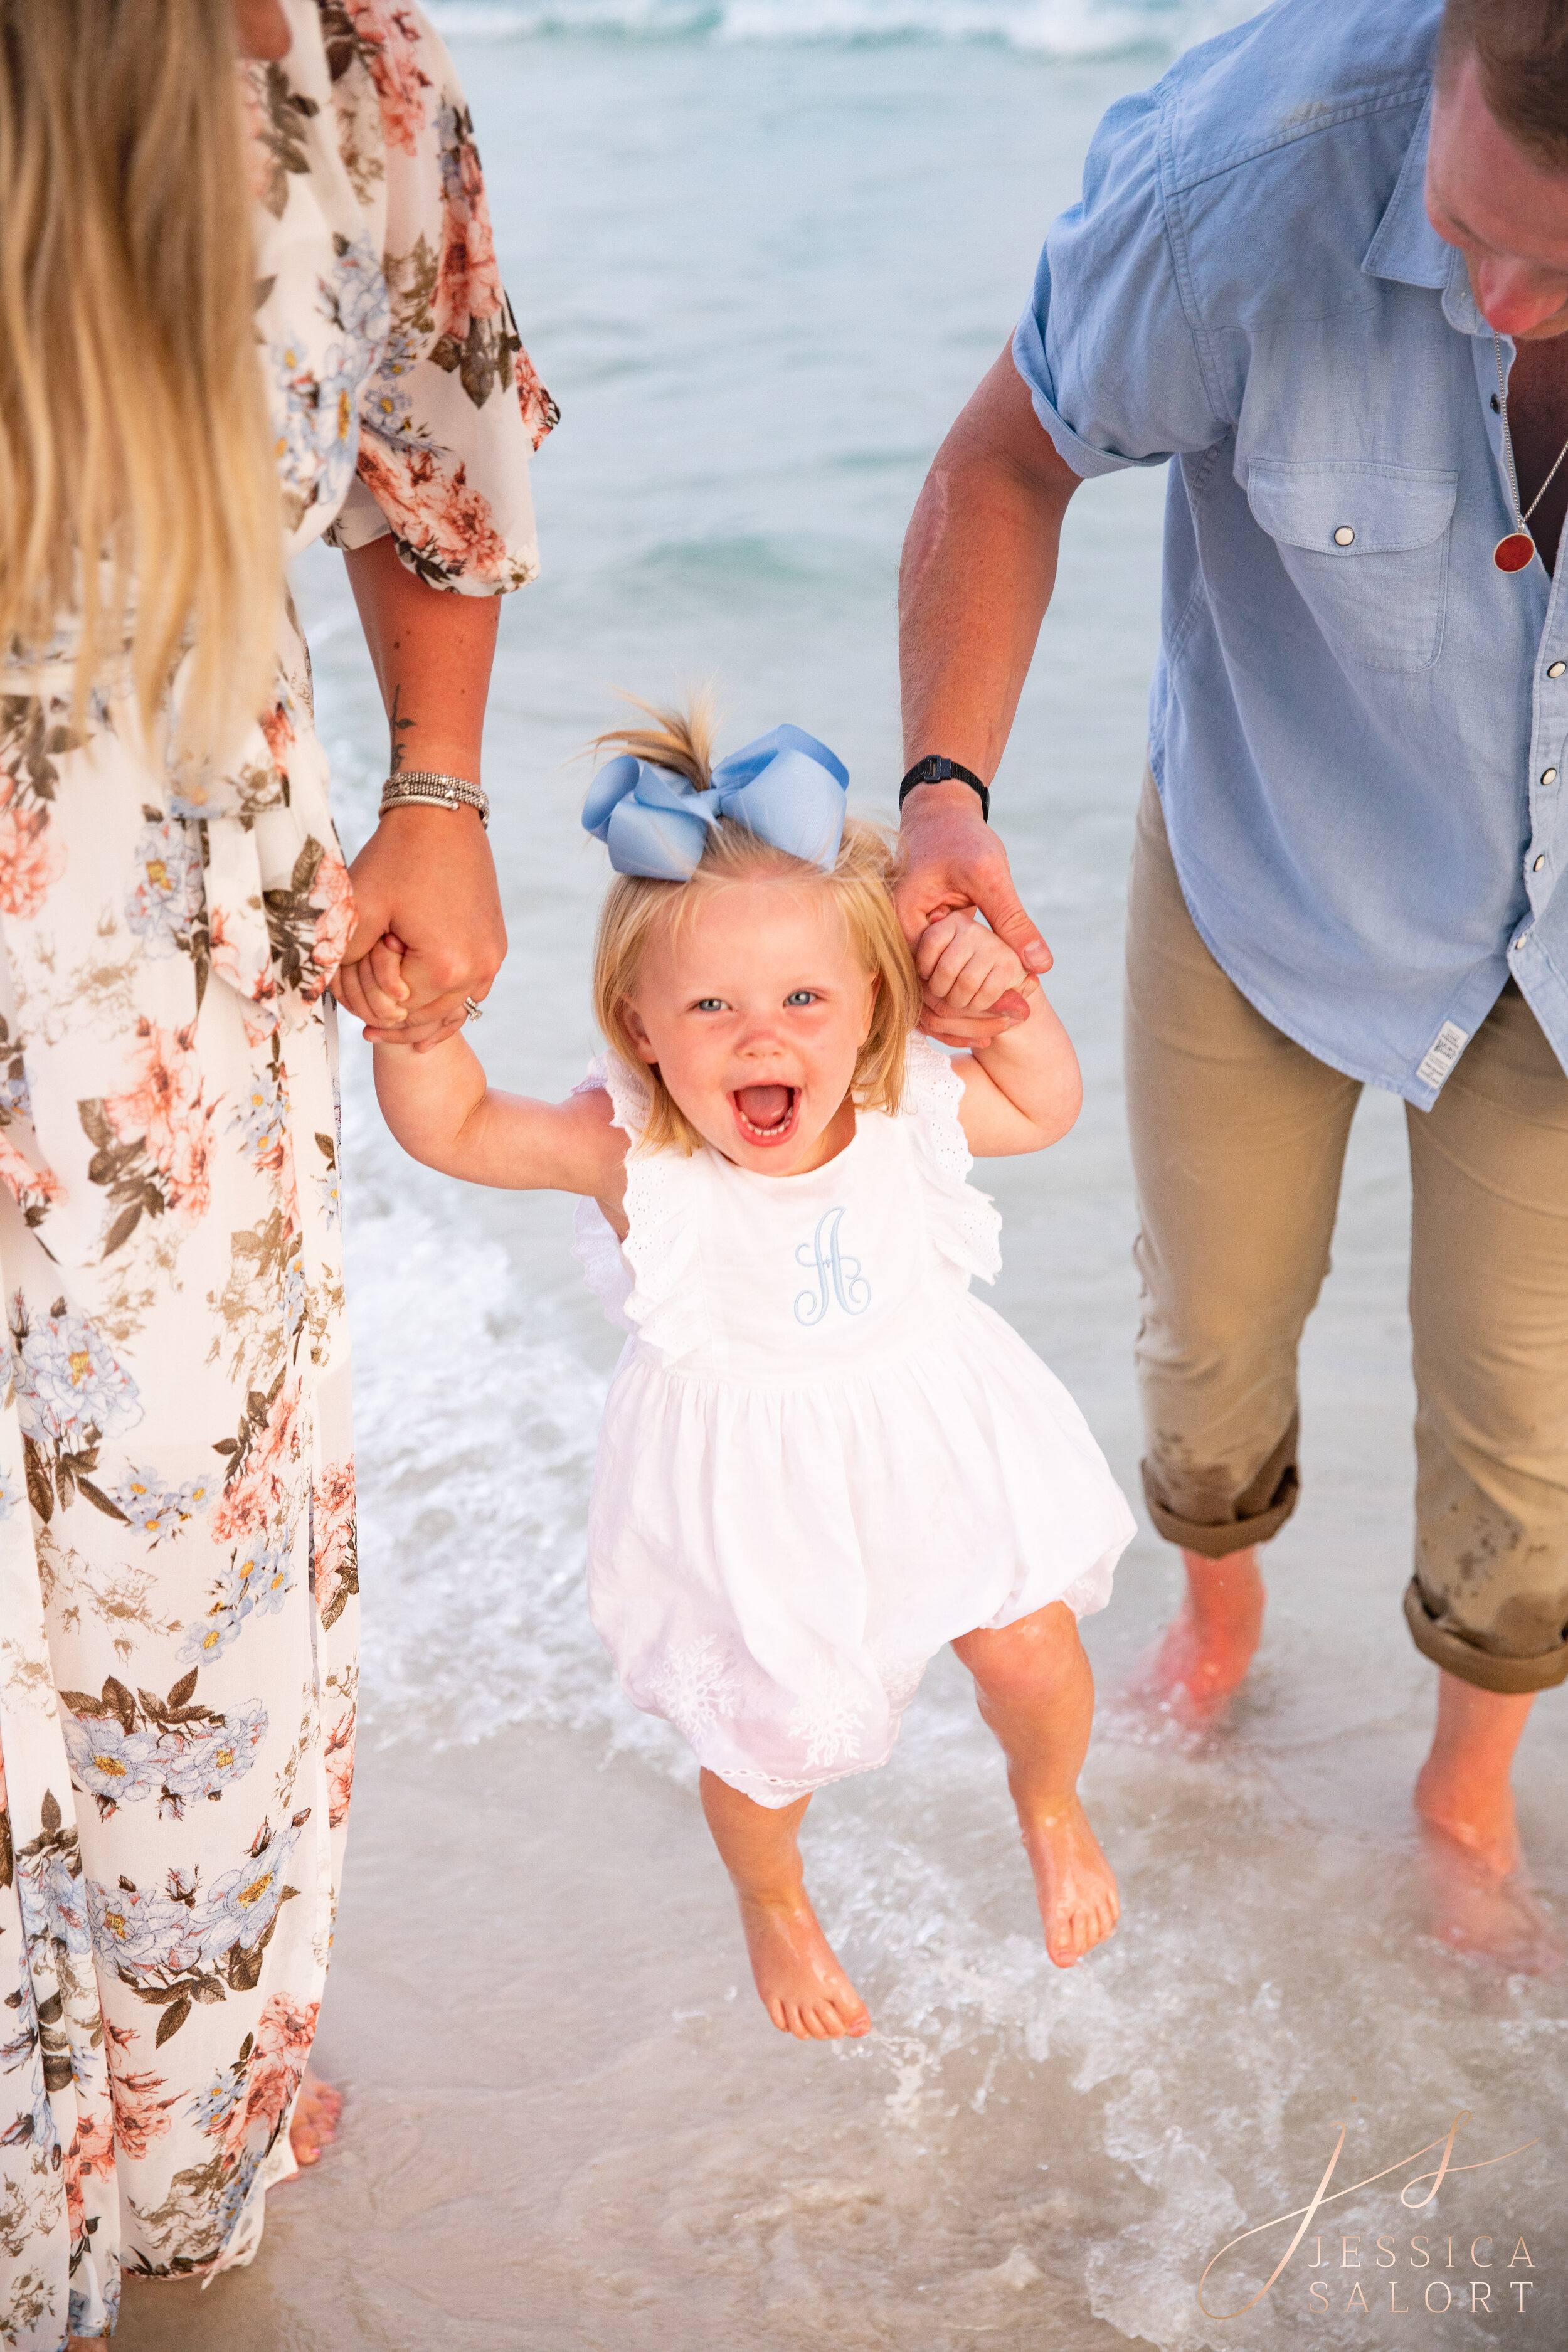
column 1443, row 1053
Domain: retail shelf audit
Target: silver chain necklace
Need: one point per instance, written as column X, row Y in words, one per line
column 1515, row 548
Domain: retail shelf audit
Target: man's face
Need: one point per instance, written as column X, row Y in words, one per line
column 1507, row 214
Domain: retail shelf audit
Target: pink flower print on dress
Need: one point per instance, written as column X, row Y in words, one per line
column 284, row 2034
column 31, row 859
column 390, row 42
column 340, row 1759
column 334, row 1535
column 468, row 285
column 140, row 2117
column 278, row 727
column 331, row 894
column 264, row 1454
column 163, row 1110
column 34, row 1189
column 446, row 527
column 91, row 2150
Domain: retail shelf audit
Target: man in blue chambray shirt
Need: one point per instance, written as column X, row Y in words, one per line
column 1323, row 266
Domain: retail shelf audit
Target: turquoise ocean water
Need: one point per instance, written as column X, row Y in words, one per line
column 762, row 250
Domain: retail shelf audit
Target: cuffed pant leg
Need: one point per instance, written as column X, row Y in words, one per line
column 1239, row 1139
column 1488, row 1307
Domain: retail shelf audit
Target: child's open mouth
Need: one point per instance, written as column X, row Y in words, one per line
column 766, row 1114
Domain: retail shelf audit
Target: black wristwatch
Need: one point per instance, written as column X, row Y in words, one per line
column 934, row 770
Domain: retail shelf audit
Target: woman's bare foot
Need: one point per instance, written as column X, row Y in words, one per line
column 803, row 1987
column 1073, row 1884
column 315, row 2119
column 1204, row 1654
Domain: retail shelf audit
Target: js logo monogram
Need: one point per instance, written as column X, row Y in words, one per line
column 837, row 1277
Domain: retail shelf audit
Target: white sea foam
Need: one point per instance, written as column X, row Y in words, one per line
column 1058, row 28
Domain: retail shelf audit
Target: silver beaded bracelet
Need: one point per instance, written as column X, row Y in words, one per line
column 430, row 788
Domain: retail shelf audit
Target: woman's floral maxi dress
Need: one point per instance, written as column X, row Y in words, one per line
column 177, row 1564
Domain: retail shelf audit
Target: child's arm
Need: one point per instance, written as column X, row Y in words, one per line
column 437, row 1105
column 1021, row 1091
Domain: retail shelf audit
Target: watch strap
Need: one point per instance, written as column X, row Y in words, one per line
column 934, row 770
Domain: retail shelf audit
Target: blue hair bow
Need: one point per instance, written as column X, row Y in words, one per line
column 787, row 787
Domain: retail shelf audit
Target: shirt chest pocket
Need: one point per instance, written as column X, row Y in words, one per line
column 1367, row 547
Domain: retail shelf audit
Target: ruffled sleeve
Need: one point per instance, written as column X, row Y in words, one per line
column 652, row 1283
column 961, row 1220
column 452, row 410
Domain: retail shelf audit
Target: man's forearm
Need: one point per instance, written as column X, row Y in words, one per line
column 433, row 651
column 979, row 565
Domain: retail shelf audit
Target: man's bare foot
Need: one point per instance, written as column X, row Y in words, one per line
column 1204, row 1654
column 1486, row 1913
column 1073, row 1884
column 803, row 1987
column 1481, row 1899
column 315, row 2119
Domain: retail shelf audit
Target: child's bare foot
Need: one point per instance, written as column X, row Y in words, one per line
column 1073, row 1884
column 315, row 2119
column 1488, row 1915
column 803, row 1987
column 1204, row 1654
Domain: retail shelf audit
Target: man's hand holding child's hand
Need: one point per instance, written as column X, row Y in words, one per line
column 964, row 968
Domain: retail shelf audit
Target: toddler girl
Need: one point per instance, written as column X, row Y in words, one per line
column 821, row 1457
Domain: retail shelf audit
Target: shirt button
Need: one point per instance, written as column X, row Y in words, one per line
column 1497, row 405
column 1557, row 669
column 1538, row 865
column 1549, row 775
column 1344, row 536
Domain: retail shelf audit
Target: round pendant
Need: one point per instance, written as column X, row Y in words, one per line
column 1513, row 552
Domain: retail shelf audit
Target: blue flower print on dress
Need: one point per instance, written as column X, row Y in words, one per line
column 68, row 1384
column 125, row 1748
column 114, row 1764
column 16, row 1095
column 205, row 1767
column 242, row 1906
column 839, row 1278
column 257, row 1580
column 143, row 1929
column 168, row 897
column 161, row 1512
column 53, row 1896
column 21, row 2054
column 261, row 1120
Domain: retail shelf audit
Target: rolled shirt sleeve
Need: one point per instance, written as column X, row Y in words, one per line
column 1118, row 371
column 451, row 412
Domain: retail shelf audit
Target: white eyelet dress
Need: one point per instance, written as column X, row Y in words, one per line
column 821, row 1457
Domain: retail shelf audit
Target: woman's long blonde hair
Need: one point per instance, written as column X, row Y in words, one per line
column 859, row 887
column 138, row 491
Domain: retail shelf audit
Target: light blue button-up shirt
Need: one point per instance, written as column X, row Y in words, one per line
column 1361, row 748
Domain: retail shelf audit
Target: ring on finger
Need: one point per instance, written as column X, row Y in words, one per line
column 472, row 1011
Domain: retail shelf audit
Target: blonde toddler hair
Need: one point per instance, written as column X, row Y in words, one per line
column 859, row 886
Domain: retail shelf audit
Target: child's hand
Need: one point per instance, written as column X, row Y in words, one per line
column 375, row 990
column 965, row 967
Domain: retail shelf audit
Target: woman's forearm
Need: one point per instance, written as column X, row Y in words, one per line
column 432, row 652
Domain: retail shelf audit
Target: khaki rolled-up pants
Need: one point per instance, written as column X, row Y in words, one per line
column 1238, row 1141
